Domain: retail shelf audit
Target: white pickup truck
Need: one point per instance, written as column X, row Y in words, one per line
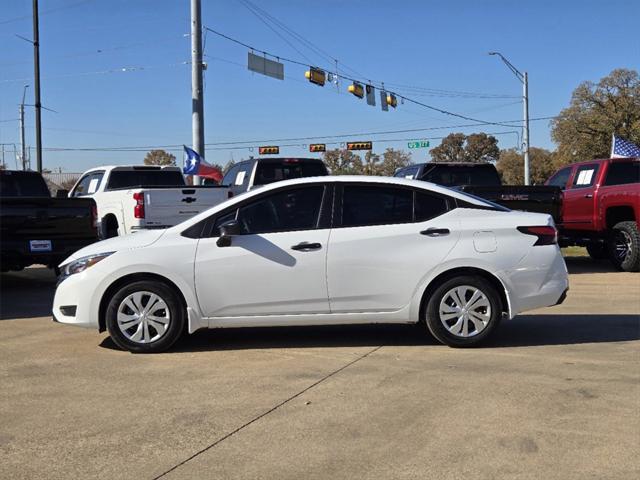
column 132, row 198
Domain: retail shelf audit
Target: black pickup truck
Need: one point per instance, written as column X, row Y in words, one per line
column 483, row 180
column 36, row 228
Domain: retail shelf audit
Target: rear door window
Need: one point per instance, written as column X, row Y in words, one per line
column 428, row 206
column 374, row 205
column 620, row 173
column 585, row 176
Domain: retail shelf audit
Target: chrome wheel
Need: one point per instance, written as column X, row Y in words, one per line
column 465, row 311
column 622, row 245
column 143, row 317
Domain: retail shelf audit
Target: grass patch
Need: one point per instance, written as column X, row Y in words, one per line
column 575, row 252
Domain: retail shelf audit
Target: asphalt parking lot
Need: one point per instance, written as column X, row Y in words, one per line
column 555, row 395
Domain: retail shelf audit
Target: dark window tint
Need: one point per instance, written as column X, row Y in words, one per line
column 288, row 210
column 429, row 206
column 18, row 184
column 454, row 175
column 371, row 205
column 560, row 178
column 623, row 172
column 145, row 178
column 585, row 176
column 269, row 172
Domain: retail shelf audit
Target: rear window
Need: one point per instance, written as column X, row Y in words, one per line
column 452, row 176
column 269, row 172
column 623, row 172
column 20, row 184
column 144, row 178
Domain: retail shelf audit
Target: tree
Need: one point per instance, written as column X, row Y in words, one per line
column 511, row 166
column 392, row 160
column 584, row 129
column 159, row 157
column 342, row 162
column 458, row 147
column 371, row 164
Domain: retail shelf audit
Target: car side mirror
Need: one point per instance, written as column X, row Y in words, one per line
column 227, row 231
column 62, row 193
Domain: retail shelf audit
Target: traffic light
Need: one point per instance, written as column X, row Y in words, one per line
column 357, row 89
column 392, row 101
column 269, row 150
column 359, row 145
column 318, row 147
column 316, row 75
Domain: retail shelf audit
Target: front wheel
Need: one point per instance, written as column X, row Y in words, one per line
column 624, row 246
column 145, row 317
column 463, row 311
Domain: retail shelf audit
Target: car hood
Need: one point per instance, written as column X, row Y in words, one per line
column 126, row 242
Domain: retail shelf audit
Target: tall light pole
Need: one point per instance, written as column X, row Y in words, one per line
column 523, row 77
column 36, row 74
column 197, row 107
column 23, row 156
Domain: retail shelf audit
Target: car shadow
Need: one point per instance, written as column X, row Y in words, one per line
column 523, row 331
column 27, row 294
column 577, row 265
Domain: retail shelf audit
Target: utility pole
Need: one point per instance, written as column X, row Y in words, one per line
column 524, row 78
column 23, row 155
column 197, row 112
column 36, row 72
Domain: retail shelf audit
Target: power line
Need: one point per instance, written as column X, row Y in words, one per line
column 379, row 86
column 51, row 10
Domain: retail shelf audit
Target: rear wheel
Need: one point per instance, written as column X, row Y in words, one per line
column 624, row 246
column 597, row 250
column 463, row 311
column 145, row 316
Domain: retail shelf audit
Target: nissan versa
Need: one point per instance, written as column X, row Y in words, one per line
column 319, row 251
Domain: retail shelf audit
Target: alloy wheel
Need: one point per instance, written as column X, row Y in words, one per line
column 622, row 244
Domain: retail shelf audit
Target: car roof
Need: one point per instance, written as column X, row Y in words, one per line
column 363, row 179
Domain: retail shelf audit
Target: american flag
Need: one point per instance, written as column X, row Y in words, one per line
column 621, row 148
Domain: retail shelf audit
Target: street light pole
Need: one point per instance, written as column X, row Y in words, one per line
column 36, row 72
column 197, row 107
column 23, row 155
column 524, row 78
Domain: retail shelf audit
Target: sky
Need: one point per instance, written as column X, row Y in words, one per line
column 117, row 72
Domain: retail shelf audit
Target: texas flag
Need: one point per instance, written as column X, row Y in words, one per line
column 195, row 165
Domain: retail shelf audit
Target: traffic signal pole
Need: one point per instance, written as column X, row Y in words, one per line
column 36, row 84
column 197, row 106
column 525, row 140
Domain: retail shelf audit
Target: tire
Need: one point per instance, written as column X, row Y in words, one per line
column 488, row 309
column 597, row 251
column 108, row 227
column 624, row 246
column 149, row 334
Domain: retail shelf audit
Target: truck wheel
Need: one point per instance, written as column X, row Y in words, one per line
column 145, row 317
column 463, row 311
column 108, row 227
column 624, row 246
column 597, row 250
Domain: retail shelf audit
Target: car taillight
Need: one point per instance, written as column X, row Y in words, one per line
column 138, row 210
column 547, row 235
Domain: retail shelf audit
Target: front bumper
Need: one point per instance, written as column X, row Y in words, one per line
column 75, row 291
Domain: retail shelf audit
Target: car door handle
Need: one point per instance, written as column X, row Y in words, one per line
column 435, row 232
column 588, row 195
column 306, row 246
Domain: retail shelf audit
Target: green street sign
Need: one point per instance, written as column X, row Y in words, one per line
column 420, row 144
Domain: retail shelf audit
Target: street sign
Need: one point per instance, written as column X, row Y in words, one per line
column 371, row 95
column 265, row 66
column 418, row 144
column 383, row 101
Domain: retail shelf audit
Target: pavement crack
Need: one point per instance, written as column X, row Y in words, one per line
column 264, row 414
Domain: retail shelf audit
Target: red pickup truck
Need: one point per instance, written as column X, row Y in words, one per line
column 601, row 209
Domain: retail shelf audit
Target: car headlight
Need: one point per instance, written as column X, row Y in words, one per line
column 81, row 264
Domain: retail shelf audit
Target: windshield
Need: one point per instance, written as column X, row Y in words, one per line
column 269, row 172
column 20, row 184
column 454, row 175
column 145, row 178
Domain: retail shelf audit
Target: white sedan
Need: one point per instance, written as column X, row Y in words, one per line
column 320, row 251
